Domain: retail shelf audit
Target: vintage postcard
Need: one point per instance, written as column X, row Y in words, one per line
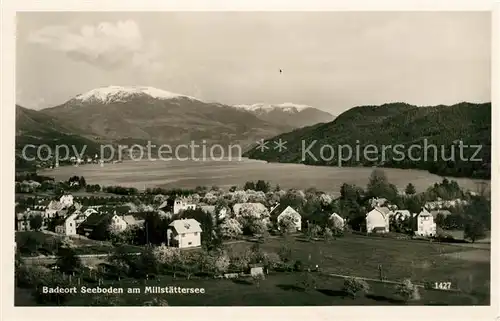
column 184, row 158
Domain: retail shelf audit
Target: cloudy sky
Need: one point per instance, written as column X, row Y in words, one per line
column 332, row 61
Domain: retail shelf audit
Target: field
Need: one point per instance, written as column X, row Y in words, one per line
column 189, row 174
column 421, row 261
column 351, row 255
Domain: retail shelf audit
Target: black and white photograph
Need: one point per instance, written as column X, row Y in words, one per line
column 252, row 158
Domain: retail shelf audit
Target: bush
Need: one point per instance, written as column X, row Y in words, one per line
column 353, row 286
column 271, row 260
column 298, row 266
column 408, row 291
column 51, row 280
column 308, row 281
column 285, row 253
column 30, row 276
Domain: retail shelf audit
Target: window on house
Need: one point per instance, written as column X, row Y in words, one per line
column 195, row 233
column 189, row 243
column 70, row 224
column 183, row 234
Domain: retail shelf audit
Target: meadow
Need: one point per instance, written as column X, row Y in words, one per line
column 352, row 255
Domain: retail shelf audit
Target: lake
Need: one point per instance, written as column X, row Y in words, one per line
column 226, row 173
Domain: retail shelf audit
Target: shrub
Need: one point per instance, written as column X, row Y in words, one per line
column 221, row 263
column 30, row 276
column 51, row 281
column 408, row 291
column 298, row 266
column 353, row 286
column 271, row 260
column 308, row 281
column 285, row 253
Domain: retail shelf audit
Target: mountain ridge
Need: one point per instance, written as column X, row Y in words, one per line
column 396, row 123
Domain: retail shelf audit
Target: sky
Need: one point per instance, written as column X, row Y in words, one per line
column 329, row 60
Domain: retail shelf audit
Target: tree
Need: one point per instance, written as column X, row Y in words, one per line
column 440, row 220
column 308, row 281
column 408, row 291
column 379, row 186
column 287, row 225
column 249, row 185
column 36, row 222
column 313, row 231
column 271, row 260
column 262, row 186
column 474, row 229
column 285, row 253
column 221, row 263
column 68, row 261
column 354, row 286
column 82, row 181
column 410, row 189
column 328, row 234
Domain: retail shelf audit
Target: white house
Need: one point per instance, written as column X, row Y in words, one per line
column 425, row 224
column 53, row 208
column 66, row 200
column 337, row 220
column 181, row 205
column 289, row 211
column 117, row 223
column 68, row 226
column 184, row 233
column 377, row 220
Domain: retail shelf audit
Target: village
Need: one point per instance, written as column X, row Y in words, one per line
column 246, row 232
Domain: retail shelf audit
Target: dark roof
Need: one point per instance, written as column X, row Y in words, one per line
column 96, row 219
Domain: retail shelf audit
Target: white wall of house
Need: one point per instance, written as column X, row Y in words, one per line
column 189, row 239
column 118, row 223
column 66, row 200
column 425, row 224
column 338, row 220
column 374, row 219
column 184, row 240
column 180, row 205
column 70, row 225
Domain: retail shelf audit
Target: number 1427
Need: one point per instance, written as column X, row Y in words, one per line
column 442, row 285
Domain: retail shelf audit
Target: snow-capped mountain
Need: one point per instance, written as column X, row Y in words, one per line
column 125, row 114
column 295, row 115
column 286, row 107
column 112, row 94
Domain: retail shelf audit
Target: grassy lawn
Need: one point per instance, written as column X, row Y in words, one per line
column 352, row 255
column 418, row 260
column 282, row 289
column 80, row 245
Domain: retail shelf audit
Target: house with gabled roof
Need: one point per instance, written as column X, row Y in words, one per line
column 377, row 220
column 281, row 211
column 67, row 225
column 337, row 220
column 184, row 233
